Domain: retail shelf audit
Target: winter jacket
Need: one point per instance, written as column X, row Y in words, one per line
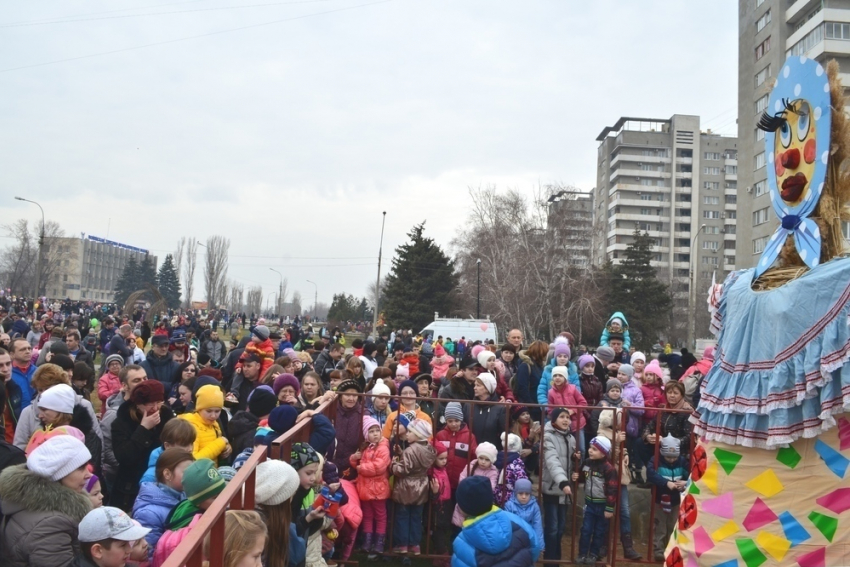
column 132, row 445
column 412, row 361
column 373, row 482
column 496, row 539
column 323, row 366
column 216, row 350
column 633, row 395
column 600, row 483
column 676, row 424
column 241, row 431
column 458, row 389
column 110, row 464
column 160, row 368
column 81, row 420
column 108, row 385
column 150, row 472
column 323, row 435
column 411, row 486
column 348, row 427
column 209, row 443
column 667, row 472
column 487, row 421
column 558, row 449
column 380, row 416
column 389, row 426
column 510, row 473
column 28, row 422
column 568, row 395
column 444, row 493
column 152, row 507
column 461, row 446
column 530, row 512
column 528, row 378
column 492, row 474
column 546, row 379
column 22, row 380
column 653, row 397
column 440, row 366
column 41, row 520
column 502, row 388
column 627, row 340
column 264, row 350
column 33, row 337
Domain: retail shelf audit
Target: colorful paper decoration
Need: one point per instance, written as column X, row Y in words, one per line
column 759, row 515
column 789, row 457
column 702, row 542
column 693, row 488
column 682, row 538
column 836, row 462
column 730, row 528
column 710, row 477
column 723, row 506
column 730, row 563
column 691, row 561
column 750, row 552
column 827, row 525
column 776, row 546
column 727, row 459
column 797, row 145
column 816, row 558
column 836, row 501
column 767, row 484
column 844, row 433
column 794, row 530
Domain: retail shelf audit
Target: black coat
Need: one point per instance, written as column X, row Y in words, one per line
column 132, row 445
column 161, row 369
column 242, row 429
column 488, row 423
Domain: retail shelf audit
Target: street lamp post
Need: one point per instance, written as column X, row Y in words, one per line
column 279, row 293
column 478, row 310
column 692, row 293
column 315, row 298
column 40, row 248
column 378, row 283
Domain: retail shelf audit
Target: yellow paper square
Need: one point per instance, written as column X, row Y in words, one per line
column 710, row 477
column 776, row 546
column 767, row 484
column 730, row 528
column 682, row 538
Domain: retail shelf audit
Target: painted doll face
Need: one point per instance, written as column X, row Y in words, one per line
column 795, row 152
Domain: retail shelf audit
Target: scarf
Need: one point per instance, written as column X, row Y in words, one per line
column 182, row 515
column 682, row 404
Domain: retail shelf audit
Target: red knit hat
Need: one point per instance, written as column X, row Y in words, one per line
column 147, row 392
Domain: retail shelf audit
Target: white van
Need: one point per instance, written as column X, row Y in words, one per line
column 472, row 329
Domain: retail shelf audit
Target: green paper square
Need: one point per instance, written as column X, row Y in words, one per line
column 789, row 457
column 694, row 489
column 827, row 525
column 750, row 552
column 727, row 459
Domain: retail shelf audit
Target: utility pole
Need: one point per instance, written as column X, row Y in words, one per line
column 478, row 310
column 692, row 320
column 279, row 293
column 315, row 298
column 378, row 282
column 40, row 249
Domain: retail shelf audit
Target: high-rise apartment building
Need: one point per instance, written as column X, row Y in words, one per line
column 769, row 31
column 666, row 177
column 89, row 267
column 573, row 229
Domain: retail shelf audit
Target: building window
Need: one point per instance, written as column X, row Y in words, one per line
column 760, row 216
column 762, row 22
column 711, row 200
column 645, row 197
column 809, row 40
column 762, row 76
column 731, row 199
column 711, row 155
column 711, row 185
column 709, row 245
column 709, row 260
column 761, row 104
column 711, row 170
column 759, row 3
column 712, row 230
column 759, row 244
column 711, row 214
column 759, row 161
column 835, row 30
column 759, row 134
column 731, row 215
column 731, row 170
column 731, row 184
column 760, row 188
column 762, row 48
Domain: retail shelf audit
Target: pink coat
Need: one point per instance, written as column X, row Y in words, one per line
column 492, row 473
column 568, row 395
column 373, row 481
column 108, row 385
column 439, row 369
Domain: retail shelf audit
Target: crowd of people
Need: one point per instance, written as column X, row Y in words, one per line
column 115, row 463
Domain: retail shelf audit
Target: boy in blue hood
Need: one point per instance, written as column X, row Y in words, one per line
column 524, row 504
column 617, row 324
column 491, row 536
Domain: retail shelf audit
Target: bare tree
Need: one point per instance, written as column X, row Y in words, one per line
column 254, row 300
column 189, row 270
column 372, row 295
column 237, row 293
column 215, row 268
column 296, row 303
column 18, row 261
column 178, row 254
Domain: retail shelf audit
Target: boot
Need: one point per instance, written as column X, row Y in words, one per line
column 378, row 548
column 639, row 477
column 367, row 542
column 629, row 551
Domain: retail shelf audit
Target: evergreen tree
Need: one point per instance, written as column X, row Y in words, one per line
column 421, row 282
column 636, row 291
column 169, row 283
column 127, row 282
column 147, row 274
column 343, row 308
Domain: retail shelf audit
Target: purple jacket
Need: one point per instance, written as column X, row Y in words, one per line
column 634, row 396
column 349, row 428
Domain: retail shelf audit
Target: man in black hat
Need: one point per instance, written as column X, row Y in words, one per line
column 158, row 365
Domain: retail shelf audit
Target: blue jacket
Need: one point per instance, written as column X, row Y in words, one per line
column 496, row 539
column 22, row 380
column 546, row 380
column 150, row 474
column 667, row 472
column 323, row 435
column 529, row 512
column 152, row 507
column 627, row 338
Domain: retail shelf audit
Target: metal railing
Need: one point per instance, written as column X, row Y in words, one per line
column 239, row 493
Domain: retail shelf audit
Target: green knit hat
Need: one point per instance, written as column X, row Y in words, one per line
column 201, row 480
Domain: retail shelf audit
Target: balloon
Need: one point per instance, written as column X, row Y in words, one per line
column 484, row 326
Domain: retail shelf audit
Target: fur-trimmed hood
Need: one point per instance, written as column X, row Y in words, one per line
column 22, row 489
column 82, row 420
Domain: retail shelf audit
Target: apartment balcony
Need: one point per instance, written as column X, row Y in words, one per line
column 798, row 9
column 638, row 173
column 730, row 237
column 729, row 162
column 730, row 206
column 684, row 175
column 685, row 160
column 638, row 159
column 729, row 191
column 637, row 217
column 731, row 176
column 622, row 202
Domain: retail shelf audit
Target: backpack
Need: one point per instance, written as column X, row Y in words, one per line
column 693, row 384
column 170, row 540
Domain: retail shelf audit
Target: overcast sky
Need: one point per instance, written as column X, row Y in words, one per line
column 289, row 126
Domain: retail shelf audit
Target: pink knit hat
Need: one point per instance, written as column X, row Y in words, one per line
column 654, row 368
column 439, row 350
column 368, row 423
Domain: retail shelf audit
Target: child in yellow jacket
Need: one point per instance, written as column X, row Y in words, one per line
column 209, row 443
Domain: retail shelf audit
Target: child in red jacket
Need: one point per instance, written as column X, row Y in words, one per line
column 109, row 384
column 373, row 485
column 458, row 441
column 442, row 504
